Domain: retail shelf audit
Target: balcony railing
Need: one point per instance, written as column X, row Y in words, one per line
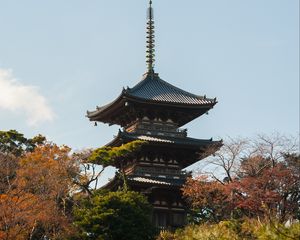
column 163, row 174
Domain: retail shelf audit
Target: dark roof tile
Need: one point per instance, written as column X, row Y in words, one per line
column 153, row 88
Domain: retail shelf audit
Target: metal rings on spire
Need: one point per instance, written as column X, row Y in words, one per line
column 150, row 51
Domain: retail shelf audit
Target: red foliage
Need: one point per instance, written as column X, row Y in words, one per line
column 269, row 192
column 210, row 196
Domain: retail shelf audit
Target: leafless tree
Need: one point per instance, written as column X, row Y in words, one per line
column 273, row 147
column 89, row 173
column 240, row 157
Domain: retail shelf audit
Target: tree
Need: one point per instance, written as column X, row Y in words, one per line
column 106, row 156
column 208, row 194
column 37, row 203
column 40, row 183
column 293, row 164
column 114, row 215
column 209, row 199
column 87, row 176
column 261, row 180
column 15, row 143
column 268, row 194
column 227, row 159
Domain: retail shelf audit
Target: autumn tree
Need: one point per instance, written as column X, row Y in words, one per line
column 36, row 204
column 261, row 179
column 267, row 183
column 13, row 145
column 271, row 193
column 41, row 182
column 209, row 199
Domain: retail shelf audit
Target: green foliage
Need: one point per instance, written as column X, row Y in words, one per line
column 108, row 155
column 206, row 231
column 15, row 143
column 114, row 216
column 272, row 230
column 248, row 229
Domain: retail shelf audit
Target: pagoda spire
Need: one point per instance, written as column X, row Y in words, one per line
column 150, row 56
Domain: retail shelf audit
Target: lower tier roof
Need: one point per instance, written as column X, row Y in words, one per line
column 155, row 181
column 186, row 150
column 124, row 137
column 134, row 180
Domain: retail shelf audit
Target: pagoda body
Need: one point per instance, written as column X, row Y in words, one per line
column 154, row 111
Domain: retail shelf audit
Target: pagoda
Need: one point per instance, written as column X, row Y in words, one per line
column 153, row 111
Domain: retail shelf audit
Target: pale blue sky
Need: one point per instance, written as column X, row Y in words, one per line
column 66, row 57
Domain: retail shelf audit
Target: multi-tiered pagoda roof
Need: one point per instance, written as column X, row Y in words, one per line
column 154, row 111
column 153, row 92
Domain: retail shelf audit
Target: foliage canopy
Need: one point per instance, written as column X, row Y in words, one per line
column 108, row 155
column 15, row 143
column 115, row 215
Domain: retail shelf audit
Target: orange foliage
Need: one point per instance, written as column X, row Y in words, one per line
column 35, row 204
column 47, row 172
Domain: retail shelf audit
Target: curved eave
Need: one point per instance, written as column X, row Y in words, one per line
column 198, row 146
column 124, row 137
column 210, row 102
column 101, row 113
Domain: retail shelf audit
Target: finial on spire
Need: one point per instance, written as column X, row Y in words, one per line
column 150, row 39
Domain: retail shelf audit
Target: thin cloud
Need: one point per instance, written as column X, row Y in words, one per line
column 17, row 97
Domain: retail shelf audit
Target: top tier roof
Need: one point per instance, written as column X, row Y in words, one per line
column 154, row 89
column 155, row 92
